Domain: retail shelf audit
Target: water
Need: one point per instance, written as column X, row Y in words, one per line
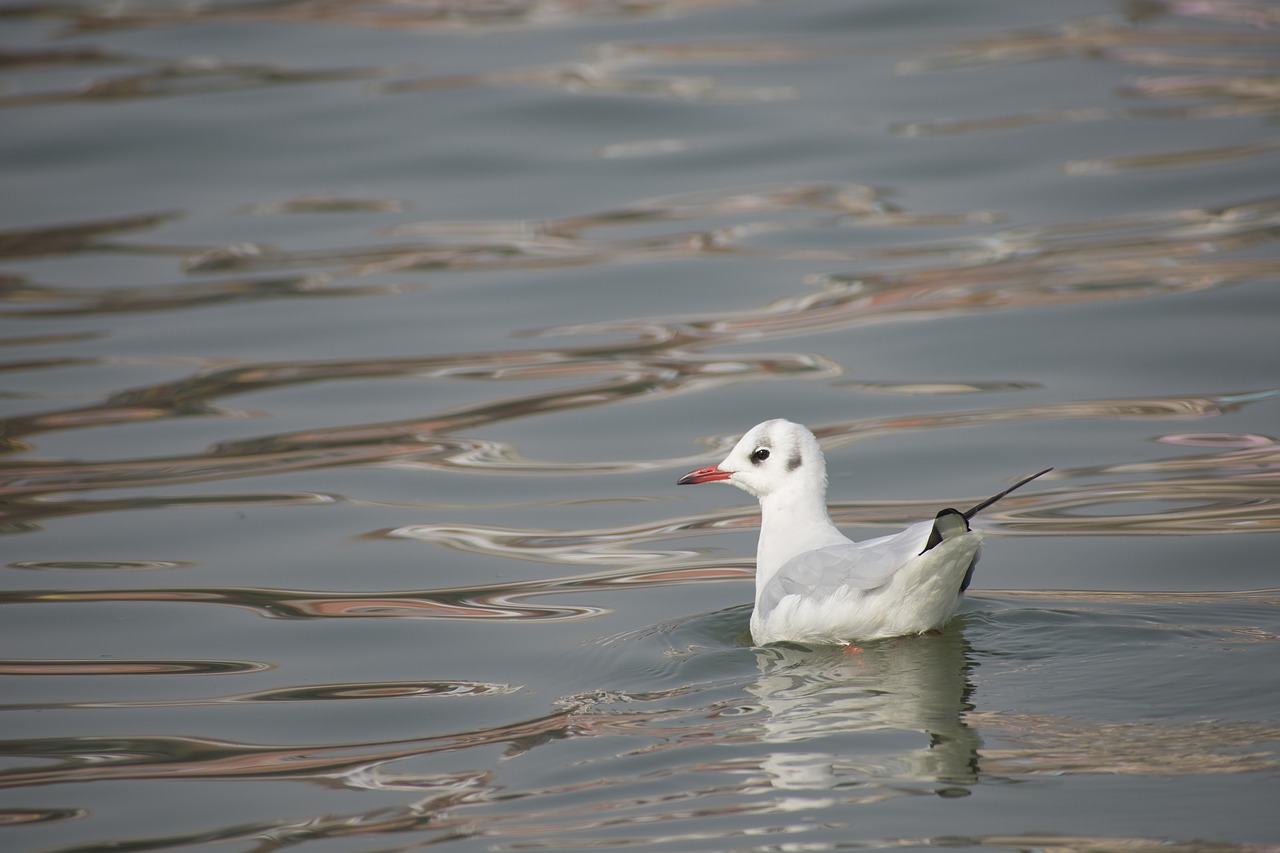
column 352, row 352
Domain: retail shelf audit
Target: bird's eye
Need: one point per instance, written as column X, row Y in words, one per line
column 760, row 455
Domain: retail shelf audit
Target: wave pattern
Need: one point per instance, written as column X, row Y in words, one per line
column 704, row 730
column 134, row 655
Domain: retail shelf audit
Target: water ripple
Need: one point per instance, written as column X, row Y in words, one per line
column 506, row 602
column 129, row 667
column 672, row 735
column 311, row 692
column 76, row 237
column 767, row 735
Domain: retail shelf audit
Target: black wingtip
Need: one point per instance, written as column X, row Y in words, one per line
column 952, row 522
column 946, row 524
column 970, row 513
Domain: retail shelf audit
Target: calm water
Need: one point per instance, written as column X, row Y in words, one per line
column 352, row 351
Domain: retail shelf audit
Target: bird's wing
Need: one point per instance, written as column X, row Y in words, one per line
column 857, row 565
column 869, row 564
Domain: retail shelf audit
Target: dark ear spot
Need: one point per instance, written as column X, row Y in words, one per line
column 794, row 462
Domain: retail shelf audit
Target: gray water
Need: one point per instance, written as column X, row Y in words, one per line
column 352, row 352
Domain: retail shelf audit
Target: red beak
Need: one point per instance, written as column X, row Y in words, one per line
column 703, row 475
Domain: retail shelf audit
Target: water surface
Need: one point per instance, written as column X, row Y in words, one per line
column 352, row 351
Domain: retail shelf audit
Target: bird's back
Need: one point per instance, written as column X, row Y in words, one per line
column 863, row 590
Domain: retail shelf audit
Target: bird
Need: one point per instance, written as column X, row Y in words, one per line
column 814, row 585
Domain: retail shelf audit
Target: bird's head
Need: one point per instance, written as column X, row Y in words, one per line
column 773, row 457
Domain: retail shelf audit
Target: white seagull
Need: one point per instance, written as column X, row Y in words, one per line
column 816, row 586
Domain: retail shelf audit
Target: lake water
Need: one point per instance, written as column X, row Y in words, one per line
column 352, row 351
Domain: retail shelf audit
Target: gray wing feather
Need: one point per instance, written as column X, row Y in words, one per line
column 858, row 565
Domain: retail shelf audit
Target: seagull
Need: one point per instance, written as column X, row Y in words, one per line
column 814, row 585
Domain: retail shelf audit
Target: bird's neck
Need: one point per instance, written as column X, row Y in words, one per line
column 792, row 522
